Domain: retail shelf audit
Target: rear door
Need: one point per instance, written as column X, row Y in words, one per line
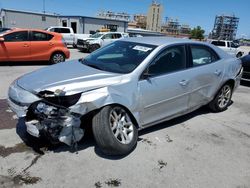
column 41, row 46
column 207, row 70
column 165, row 93
column 16, row 46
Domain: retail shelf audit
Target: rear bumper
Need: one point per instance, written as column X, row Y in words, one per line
column 67, row 54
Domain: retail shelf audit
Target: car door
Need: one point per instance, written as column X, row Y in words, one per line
column 164, row 93
column 16, row 46
column 41, row 46
column 207, row 71
column 107, row 39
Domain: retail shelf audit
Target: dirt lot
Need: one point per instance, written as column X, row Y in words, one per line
column 201, row 149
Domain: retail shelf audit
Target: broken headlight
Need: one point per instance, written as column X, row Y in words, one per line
column 61, row 100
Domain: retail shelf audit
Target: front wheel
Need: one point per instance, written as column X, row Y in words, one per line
column 114, row 131
column 57, row 57
column 239, row 54
column 93, row 47
column 222, row 100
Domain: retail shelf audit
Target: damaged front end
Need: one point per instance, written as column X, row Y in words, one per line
column 51, row 117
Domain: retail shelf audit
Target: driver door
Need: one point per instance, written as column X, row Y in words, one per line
column 165, row 92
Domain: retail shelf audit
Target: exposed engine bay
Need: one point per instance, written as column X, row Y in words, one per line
column 54, row 120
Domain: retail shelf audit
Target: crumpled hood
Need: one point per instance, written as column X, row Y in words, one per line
column 71, row 77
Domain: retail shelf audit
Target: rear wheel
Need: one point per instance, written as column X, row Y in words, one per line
column 114, row 131
column 222, row 99
column 57, row 57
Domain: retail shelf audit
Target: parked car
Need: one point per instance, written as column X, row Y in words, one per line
column 229, row 47
column 246, row 68
column 32, row 45
column 123, row 87
column 98, row 40
column 68, row 34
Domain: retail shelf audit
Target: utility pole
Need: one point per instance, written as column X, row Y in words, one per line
column 44, row 6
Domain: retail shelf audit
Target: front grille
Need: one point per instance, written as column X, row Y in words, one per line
column 81, row 42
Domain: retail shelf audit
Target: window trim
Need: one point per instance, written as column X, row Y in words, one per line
column 155, row 57
column 211, row 50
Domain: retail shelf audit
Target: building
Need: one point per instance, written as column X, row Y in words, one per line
column 154, row 17
column 114, row 16
column 80, row 24
column 89, row 25
column 173, row 28
column 225, row 27
column 25, row 19
column 141, row 21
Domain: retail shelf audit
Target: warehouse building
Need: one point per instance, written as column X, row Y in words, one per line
column 80, row 24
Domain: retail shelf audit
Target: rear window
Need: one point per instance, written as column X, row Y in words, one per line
column 218, row 43
column 62, row 30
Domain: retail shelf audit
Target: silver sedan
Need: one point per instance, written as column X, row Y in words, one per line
column 124, row 87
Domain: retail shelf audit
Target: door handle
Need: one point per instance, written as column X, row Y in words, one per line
column 51, row 44
column 217, row 72
column 184, row 82
column 25, row 45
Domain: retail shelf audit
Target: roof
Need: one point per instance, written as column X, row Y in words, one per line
column 78, row 16
column 30, row 12
column 158, row 41
column 61, row 16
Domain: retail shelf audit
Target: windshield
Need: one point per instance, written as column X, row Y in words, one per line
column 119, row 57
column 96, row 35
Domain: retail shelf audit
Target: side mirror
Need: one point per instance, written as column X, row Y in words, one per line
column 1, row 39
column 146, row 75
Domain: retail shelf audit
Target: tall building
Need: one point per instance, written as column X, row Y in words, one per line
column 154, row 17
column 225, row 27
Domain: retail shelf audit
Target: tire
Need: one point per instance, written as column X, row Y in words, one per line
column 114, row 131
column 57, row 57
column 93, row 47
column 239, row 55
column 74, row 45
column 222, row 99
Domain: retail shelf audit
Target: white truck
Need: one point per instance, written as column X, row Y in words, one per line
column 229, row 47
column 98, row 40
column 68, row 34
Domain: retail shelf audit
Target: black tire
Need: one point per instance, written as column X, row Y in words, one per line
column 74, row 45
column 222, row 99
column 105, row 128
column 93, row 47
column 239, row 54
column 57, row 57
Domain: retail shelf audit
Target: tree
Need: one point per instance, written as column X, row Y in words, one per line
column 197, row 33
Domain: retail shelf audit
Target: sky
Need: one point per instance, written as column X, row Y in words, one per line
column 192, row 12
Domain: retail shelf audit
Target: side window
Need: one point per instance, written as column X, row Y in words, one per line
column 170, row 60
column 65, row 30
column 203, row 55
column 17, row 36
column 118, row 35
column 218, row 43
column 39, row 36
column 107, row 36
